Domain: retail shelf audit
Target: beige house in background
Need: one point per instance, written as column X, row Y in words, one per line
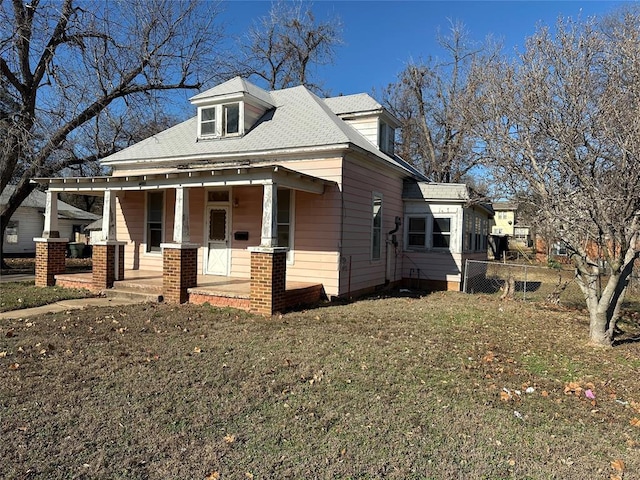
column 282, row 190
column 504, row 220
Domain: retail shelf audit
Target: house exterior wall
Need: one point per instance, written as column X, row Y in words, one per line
column 367, row 126
column 504, row 222
column 316, row 228
column 30, row 225
column 358, row 271
column 439, row 269
column 435, row 268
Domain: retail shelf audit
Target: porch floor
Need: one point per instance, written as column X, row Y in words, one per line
column 209, row 287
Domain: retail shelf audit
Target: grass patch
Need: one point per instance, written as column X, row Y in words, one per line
column 391, row 387
column 18, row 295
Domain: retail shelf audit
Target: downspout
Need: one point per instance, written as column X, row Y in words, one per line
column 394, row 242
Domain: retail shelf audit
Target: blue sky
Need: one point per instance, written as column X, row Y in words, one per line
column 380, row 36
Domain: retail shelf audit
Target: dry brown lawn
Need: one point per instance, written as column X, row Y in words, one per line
column 424, row 387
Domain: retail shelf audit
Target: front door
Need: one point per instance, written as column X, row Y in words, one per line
column 217, row 241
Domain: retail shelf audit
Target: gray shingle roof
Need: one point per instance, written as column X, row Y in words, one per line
column 435, row 191
column 233, row 86
column 299, row 120
column 360, row 102
column 38, row 199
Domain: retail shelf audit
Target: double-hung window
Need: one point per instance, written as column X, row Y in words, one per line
column 376, row 227
column 441, row 232
column 417, row 232
column 155, row 211
column 285, row 220
column 208, row 121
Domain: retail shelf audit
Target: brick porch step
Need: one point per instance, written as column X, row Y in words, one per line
column 133, row 294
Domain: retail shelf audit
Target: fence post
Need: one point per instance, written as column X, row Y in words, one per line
column 466, row 273
column 524, row 288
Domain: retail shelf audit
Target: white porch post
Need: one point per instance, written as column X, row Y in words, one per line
column 181, row 232
column 109, row 216
column 269, row 235
column 51, row 216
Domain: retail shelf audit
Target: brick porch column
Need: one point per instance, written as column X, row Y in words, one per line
column 179, row 270
column 268, row 279
column 50, row 260
column 108, row 263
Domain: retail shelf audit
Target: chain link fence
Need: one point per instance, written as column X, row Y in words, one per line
column 526, row 282
column 529, row 282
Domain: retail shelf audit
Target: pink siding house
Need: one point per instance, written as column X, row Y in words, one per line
column 263, row 200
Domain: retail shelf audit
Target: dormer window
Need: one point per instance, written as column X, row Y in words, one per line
column 208, row 121
column 231, row 119
column 386, row 138
column 220, row 120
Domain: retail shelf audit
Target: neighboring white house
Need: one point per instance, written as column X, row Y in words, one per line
column 28, row 222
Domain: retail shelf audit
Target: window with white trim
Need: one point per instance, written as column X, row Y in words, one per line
column 231, row 119
column 220, row 120
column 155, row 220
column 468, row 232
column 376, row 227
column 441, row 232
column 386, row 138
column 11, row 232
column 429, row 232
column 284, row 217
column 208, row 121
column 417, row 232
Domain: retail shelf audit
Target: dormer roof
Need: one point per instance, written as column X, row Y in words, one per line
column 234, row 89
column 359, row 104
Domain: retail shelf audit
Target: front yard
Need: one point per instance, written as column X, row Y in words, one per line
column 444, row 386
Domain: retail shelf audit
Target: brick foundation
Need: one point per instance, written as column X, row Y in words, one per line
column 50, row 261
column 179, row 273
column 299, row 297
column 198, row 298
column 268, row 280
column 104, row 265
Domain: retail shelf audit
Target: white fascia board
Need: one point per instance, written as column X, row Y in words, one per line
column 230, row 98
column 257, row 154
column 202, row 178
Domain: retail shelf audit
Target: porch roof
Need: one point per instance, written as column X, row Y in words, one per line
column 209, row 177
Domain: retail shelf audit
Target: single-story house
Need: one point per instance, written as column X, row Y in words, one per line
column 28, row 222
column 281, row 190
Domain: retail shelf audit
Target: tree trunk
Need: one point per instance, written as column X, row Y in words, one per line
column 3, row 227
column 599, row 328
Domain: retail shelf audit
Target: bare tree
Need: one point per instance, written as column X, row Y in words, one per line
column 561, row 122
column 284, row 46
column 431, row 99
column 69, row 66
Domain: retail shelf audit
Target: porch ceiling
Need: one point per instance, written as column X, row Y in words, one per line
column 210, row 177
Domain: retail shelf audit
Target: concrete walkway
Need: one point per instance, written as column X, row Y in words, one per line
column 65, row 305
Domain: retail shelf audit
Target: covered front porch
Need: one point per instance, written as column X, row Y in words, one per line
column 178, row 277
